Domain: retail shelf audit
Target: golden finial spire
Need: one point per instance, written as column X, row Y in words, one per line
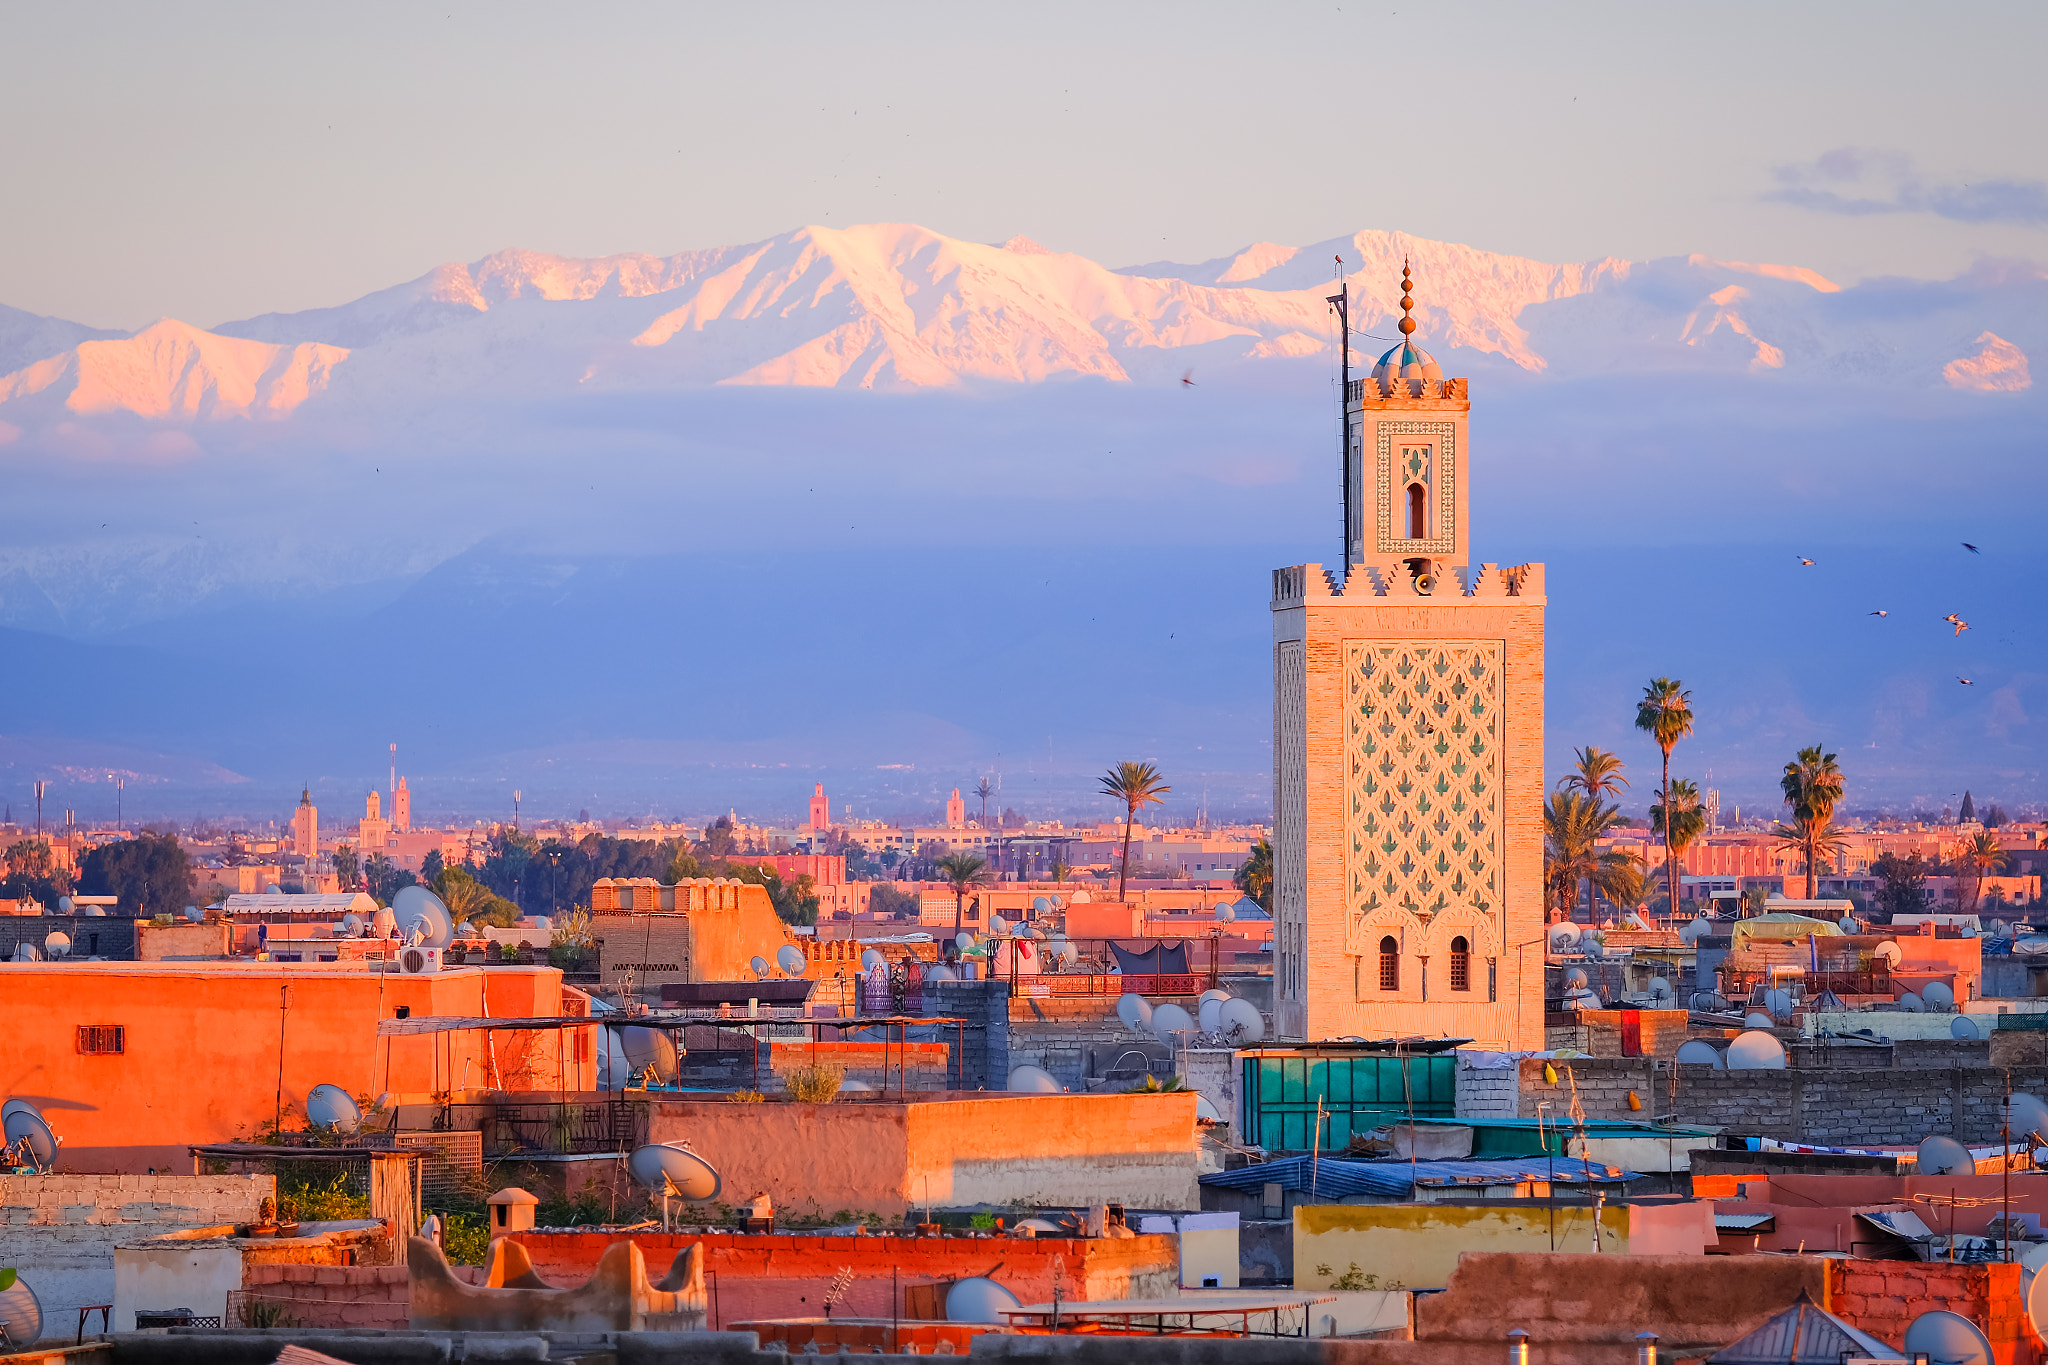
column 1407, row 302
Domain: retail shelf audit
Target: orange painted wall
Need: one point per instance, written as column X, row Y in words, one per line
column 201, row 1061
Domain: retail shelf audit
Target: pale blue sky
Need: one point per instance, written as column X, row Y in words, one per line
column 216, row 161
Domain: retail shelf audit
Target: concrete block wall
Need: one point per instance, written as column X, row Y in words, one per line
column 60, row 1230
column 1215, row 1073
column 982, row 1060
column 1065, row 1049
column 333, row 1295
column 1486, row 1092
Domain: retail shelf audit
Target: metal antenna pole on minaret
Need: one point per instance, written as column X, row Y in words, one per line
column 1341, row 301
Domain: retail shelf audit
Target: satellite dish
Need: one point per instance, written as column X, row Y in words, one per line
column 273, row 890
column 1135, row 1011
column 940, row 973
column 1758, row 1019
column 1206, row 1110
column 332, row 1108
column 1039, row 1227
column 1778, row 1002
column 1169, row 1020
column 421, row 916
column 1940, row 1154
column 63, row 905
column 1040, row 905
column 27, row 952
column 1694, row 931
column 1082, row 898
column 192, row 913
column 1890, row 952
column 760, row 966
column 668, row 1169
column 1563, row 937
column 2036, row 1291
column 998, row 926
column 1209, row 1014
column 1218, row 996
column 383, row 924
column 1660, row 989
column 963, row 940
column 21, row 1313
column 56, row 944
column 1756, row 1051
column 1699, row 1052
column 1849, row 925
column 1911, row 1003
column 852, row 1087
column 23, row 1122
column 97, row 912
column 871, row 959
column 351, row 924
column 1061, row 950
column 980, row 1299
column 1575, row 979
column 649, row 1047
column 1947, row 1338
column 2029, row 1115
column 1965, row 1028
column 790, row 958
column 1226, row 912
column 1937, row 995
column 1241, row 1022
column 1032, row 1080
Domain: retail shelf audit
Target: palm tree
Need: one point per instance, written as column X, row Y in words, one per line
column 965, row 871
column 1598, row 773
column 1060, row 870
column 1134, row 784
column 984, row 789
column 1686, row 817
column 1255, row 878
column 1813, row 788
column 1665, row 714
column 1810, row 835
column 1976, row 860
column 1572, row 826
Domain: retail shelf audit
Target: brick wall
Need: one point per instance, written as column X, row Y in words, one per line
column 1831, row 1106
column 1215, row 1072
column 1883, row 1297
column 60, row 1230
column 333, row 1296
column 1073, row 1052
column 984, row 1046
column 1486, row 1092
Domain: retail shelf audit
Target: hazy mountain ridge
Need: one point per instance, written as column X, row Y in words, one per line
column 900, row 307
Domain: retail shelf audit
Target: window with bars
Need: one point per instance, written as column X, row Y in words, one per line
column 1390, row 964
column 102, row 1038
column 1461, row 964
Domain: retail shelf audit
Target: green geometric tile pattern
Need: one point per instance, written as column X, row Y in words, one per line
column 1423, row 744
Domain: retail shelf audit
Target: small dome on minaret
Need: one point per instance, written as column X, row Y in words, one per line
column 1407, row 360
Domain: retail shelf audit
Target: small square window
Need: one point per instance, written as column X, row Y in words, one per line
column 102, row 1038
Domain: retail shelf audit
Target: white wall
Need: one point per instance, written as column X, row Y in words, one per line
column 197, row 1276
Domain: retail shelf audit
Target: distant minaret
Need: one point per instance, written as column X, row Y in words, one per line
column 821, row 809
column 1969, row 810
column 956, row 810
column 401, row 807
column 306, row 826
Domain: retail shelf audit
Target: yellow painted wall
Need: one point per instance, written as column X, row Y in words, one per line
column 1416, row 1246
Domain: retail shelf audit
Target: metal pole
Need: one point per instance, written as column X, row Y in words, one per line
column 1341, row 301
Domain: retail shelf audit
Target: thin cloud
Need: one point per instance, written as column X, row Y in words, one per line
column 1853, row 182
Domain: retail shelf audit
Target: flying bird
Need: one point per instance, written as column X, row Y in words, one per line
column 1880, row 613
column 1971, row 548
column 1958, row 622
column 1187, row 379
column 1804, row 562
column 1966, row 682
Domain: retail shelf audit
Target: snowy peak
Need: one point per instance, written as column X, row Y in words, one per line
column 175, row 371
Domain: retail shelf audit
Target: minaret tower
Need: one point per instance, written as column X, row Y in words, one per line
column 1408, row 744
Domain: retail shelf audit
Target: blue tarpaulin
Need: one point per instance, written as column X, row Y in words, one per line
column 1397, row 1179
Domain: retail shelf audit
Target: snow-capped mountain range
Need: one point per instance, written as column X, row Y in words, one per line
column 892, row 306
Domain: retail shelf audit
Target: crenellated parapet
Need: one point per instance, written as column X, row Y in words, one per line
column 1396, row 580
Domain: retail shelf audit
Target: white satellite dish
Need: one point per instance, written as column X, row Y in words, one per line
column 1062, row 951
column 1040, row 905
column 1890, row 952
column 1660, row 989
column 1937, row 995
column 1575, row 979
column 1564, row 937
column 1758, row 1019
column 63, row 905
column 1082, row 898
column 790, row 958
column 1135, row 1011
column 1169, row 1020
column 27, row 952
column 422, row 917
column 94, row 912
column 351, row 924
column 963, row 940
column 23, row 1123
column 1940, row 1154
column 940, row 973
column 2031, row 1262
column 871, row 959
column 666, row 1168
column 1911, row 1003
column 998, row 926
column 1699, row 1052
column 1964, row 1028
column 192, row 914
column 1756, row 1051
column 1032, row 1080
column 1206, row 1110
column 1226, row 912
column 1695, row 930
column 1947, row 1338
column 1778, row 1002
column 1209, row 1014
column 649, row 1047
column 2029, row 1116
column 980, row 1299
column 1241, row 1022
column 21, row 1313
column 760, row 966
column 56, row 944
column 331, row 1108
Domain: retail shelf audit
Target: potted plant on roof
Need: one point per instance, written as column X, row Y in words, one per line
column 266, row 1219
column 288, row 1218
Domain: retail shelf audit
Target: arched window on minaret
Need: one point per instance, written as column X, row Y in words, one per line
column 1461, row 963
column 1390, row 964
column 1418, row 512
